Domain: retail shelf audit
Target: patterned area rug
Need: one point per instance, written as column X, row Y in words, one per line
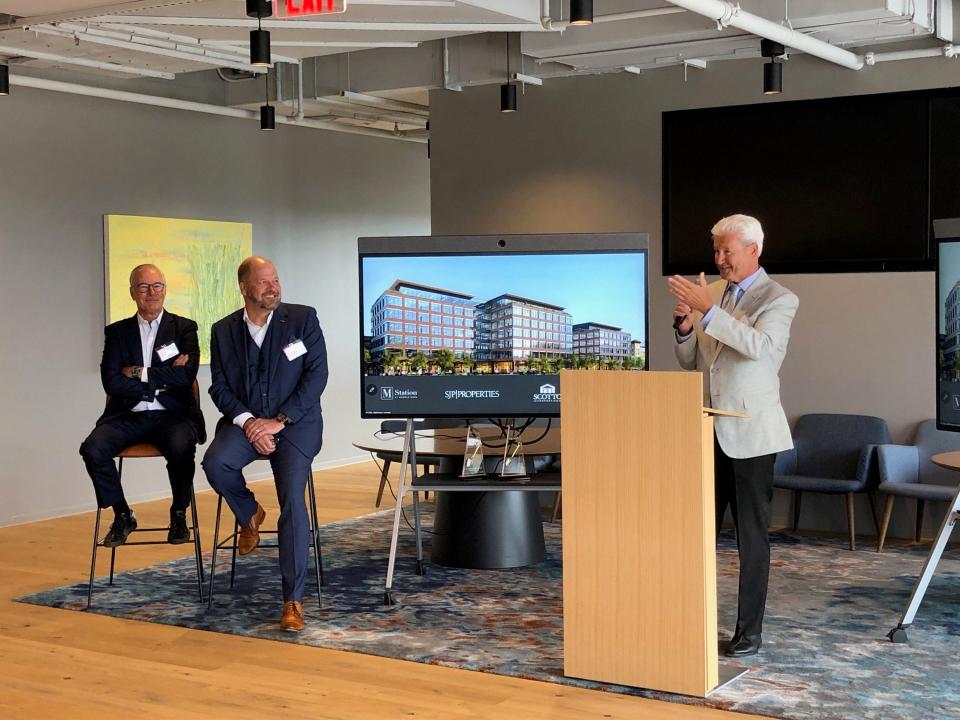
column 825, row 654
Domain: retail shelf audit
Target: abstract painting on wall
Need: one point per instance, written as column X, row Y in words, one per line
column 199, row 259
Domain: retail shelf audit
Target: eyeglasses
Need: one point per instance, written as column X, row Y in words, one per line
column 144, row 288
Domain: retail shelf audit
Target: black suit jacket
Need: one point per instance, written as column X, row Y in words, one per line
column 122, row 348
column 294, row 386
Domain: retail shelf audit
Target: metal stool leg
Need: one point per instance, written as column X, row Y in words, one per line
column 233, row 559
column 213, row 552
column 197, row 552
column 93, row 560
column 113, row 551
column 314, row 533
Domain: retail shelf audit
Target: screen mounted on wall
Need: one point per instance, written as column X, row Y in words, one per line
column 947, row 233
column 839, row 184
column 480, row 326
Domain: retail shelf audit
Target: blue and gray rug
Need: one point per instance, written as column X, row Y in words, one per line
column 825, row 654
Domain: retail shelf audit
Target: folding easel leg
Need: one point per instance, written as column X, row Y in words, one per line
column 93, row 559
column 388, row 598
column 213, row 552
column 899, row 633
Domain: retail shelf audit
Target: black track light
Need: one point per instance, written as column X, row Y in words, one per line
column 4, row 80
column 259, row 38
column 581, row 12
column 268, row 115
column 259, row 8
column 508, row 91
column 772, row 72
column 260, row 48
column 772, row 78
column 508, row 97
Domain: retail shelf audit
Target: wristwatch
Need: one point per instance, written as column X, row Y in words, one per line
column 137, row 371
column 283, row 419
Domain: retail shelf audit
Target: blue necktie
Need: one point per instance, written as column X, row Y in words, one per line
column 731, row 297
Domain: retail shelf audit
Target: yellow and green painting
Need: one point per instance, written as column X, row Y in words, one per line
column 199, row 259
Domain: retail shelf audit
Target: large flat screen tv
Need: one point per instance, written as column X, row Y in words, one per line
column 480, row 326
column 947, row 233
column 839, row 184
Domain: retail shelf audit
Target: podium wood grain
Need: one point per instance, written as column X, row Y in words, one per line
column 639, row 545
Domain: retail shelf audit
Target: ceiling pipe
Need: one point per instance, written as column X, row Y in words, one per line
column 155, row 38
column 15, row 51
column 726, row 14
column 950, row 51
column 549, row 23
column 175, row 104
column 332, row 24
column 192, row 54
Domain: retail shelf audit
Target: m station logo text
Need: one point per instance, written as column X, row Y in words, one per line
column 389, row 393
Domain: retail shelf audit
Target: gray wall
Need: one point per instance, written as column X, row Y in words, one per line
column 583, row 155
column 69, row 160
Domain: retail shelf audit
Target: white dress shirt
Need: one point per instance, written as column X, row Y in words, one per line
column 258, row 333
column 148, row 336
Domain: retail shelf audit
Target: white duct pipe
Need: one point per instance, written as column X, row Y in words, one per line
column 16, row 51
column 950, row 51
column 725, row 13
column 549, row 24
column 172, row 103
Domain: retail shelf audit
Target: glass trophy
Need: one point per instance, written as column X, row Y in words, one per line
column 514, row 464
column 473, row 455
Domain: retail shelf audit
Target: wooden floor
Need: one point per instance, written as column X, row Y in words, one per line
column 73, row 665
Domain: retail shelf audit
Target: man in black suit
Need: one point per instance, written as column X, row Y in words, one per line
column 268, row 364
column 149, row 364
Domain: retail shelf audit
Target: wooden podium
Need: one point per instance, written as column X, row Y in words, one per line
column 639, row 545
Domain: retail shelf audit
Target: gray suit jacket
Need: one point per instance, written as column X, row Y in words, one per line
column 740, row 355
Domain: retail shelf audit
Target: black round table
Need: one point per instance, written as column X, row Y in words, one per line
column 483, row 523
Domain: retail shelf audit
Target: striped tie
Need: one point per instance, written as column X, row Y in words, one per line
column 731, row 297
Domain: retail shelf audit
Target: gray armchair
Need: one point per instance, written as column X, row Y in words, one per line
column 906, row 471
column 832, row 454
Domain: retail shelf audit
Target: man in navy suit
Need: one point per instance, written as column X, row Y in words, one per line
column 149, row 364
column 268, row 364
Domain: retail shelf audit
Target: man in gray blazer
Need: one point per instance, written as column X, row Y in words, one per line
column 735, row 332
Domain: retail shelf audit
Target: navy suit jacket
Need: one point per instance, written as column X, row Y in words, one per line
column 294, row 386
column 122, row 348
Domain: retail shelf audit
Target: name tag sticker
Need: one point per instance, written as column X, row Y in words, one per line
column 167, row 351
column 295, row 350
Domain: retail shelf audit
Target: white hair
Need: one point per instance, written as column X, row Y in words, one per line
column 745, row 227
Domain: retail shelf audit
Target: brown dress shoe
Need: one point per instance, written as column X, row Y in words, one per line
column 250, row 535
column 292, row 620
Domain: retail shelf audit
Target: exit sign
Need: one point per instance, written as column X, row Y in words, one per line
column 302, row 8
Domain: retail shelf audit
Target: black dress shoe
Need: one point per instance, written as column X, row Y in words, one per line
column 123, row 524
column 743, row 645
column 179, row 533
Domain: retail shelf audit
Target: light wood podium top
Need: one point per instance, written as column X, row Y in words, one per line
column 948, row 460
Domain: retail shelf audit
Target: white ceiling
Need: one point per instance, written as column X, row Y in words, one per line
column 182, row 36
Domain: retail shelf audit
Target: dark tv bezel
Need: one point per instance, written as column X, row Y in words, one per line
column 439, row 245
column 945, row 231
column 902, row 264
